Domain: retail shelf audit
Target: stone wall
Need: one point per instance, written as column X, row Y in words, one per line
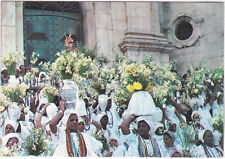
column 138, row 28
column 104, row 25
column 11, row 27
column 207, row 43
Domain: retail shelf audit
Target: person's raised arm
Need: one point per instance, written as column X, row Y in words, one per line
column 125, row 126
column 39, row 117
column 57, row 117
column 95, row 123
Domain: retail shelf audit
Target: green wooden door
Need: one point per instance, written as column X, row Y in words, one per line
column 44, row 32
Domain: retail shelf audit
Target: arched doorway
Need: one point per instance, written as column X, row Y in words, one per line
column 45, row 27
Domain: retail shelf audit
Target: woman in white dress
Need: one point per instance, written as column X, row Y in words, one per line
column 207, row 149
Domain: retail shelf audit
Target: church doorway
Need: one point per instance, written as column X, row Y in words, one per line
column 45, row 26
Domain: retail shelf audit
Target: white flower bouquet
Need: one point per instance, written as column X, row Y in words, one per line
column 11, row 60
column 50, row 92
column 15, row 92
column 36, row 143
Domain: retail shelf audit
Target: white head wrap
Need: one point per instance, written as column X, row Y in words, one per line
column 9, row 136
column 51, row 111
column 201, row 134
column 99, row 116
column 216, row 136
column 67, row 113
column 14, row 112
column 147, row 119
column 43, row 74
column 193, row 113
column 3, row 69
column 80, row 109
column 155, row 126
column 141, row 103
column 13, row 123
column 102, row 101
column 42, row 101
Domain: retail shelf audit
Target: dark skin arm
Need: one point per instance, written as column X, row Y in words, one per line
column 39, row 117
column 95, row 123
column 33, row 107
column 126, row 124
column 57, row 117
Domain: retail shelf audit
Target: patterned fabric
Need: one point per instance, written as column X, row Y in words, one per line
column 72, row 152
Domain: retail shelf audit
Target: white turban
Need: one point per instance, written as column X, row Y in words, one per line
column 51, row 111
column 141, row 103
column 99, row 116
column 201, row 134
column 80, row 109
column 43, row 100
column 14, row 111
column 9, row 136
column 103, row 101
column 65, row 118
column 193, row 113
column 147, row 119
column 11, row 122
column 155, row 126
column 3, row 69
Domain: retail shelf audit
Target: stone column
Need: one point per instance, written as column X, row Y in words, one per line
column 89, row 23
column 8, row 27
column 143, row 38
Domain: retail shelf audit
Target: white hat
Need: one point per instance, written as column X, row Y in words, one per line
column 14, row 112
column 155, row 126
column 103, row 101
column 65, row 118
column 9, row 136
column 193, row 113
column 201, row 134
column 13, row 123
column 147, row 119
column 99, row 116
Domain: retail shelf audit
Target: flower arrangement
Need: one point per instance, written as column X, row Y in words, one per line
column 11, row 60
column 217, row 121
column 15, row 92
column 50, row 92
column 135, row 76
column 34, row 58
column 36, row 143
column 185, row 133
column 195, row 86
column 10, row 152
column 217, row 75
column 101, row 77
column 165, row 83
column 4, row 101
column 100, row 137
column 121, row 96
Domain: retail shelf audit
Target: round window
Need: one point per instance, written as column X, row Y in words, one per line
column 183, row 30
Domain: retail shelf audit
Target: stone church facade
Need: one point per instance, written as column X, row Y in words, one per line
column 188, row 32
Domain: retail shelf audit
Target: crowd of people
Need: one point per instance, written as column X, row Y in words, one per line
column 96, row 128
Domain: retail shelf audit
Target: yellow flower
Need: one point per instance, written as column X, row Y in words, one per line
column 196, row 91
column 130, row 88
column 137, row 85
column 1, row 108
column 149, row 88
column 124, row 82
